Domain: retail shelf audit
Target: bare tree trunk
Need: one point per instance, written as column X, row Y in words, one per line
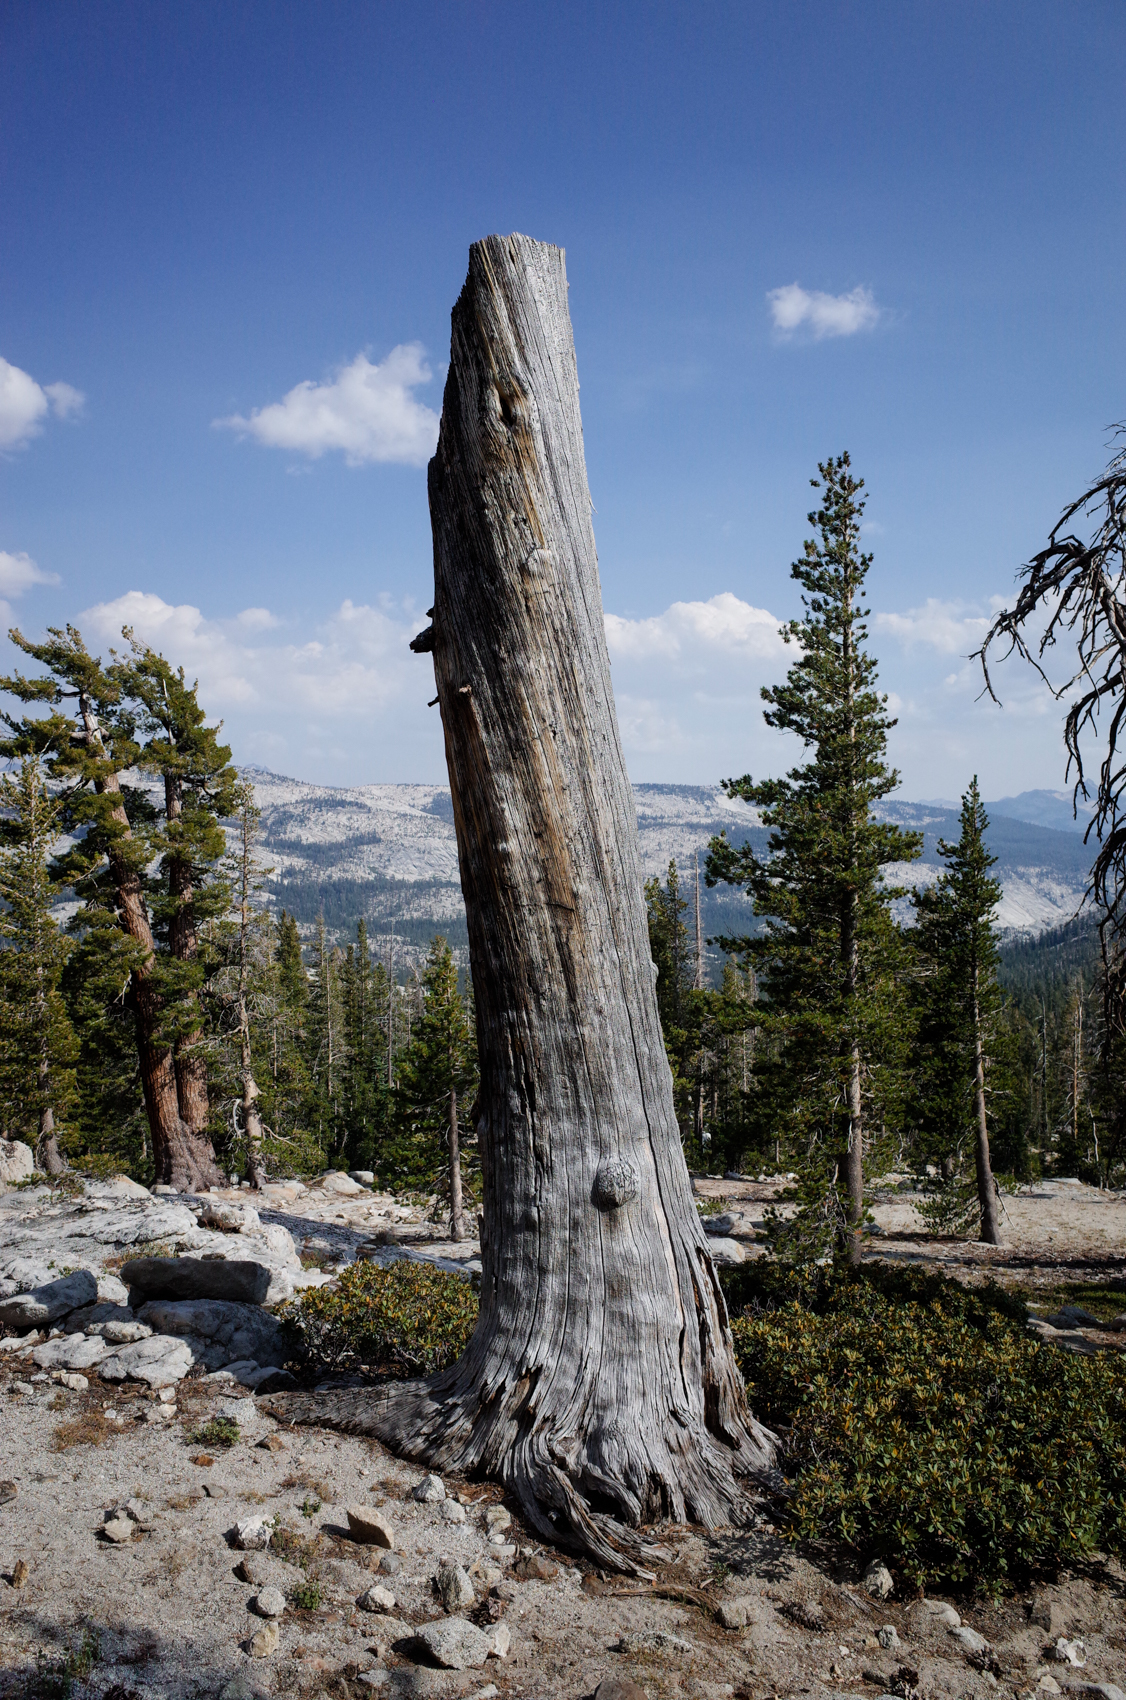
column 600, row 1385
column 181, row 1159
column 855, row 1165
column 986, row 1185
column 850, row 951
column 457, row 1209
column 48, row 1157
column 189, row 1060
column 251, row 1120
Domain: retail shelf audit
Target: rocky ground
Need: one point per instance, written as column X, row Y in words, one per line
column 138, row 1490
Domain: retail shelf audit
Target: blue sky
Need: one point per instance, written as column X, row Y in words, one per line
column 203, row 207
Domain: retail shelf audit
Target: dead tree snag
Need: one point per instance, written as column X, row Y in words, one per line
column 600, row 1384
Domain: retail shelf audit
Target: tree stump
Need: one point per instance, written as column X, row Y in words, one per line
column 600, row 1385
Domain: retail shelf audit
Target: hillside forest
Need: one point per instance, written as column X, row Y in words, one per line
column 159, row 1015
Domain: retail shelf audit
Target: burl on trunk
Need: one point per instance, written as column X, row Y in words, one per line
column 600, row 1383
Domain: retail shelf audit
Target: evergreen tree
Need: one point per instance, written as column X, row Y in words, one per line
column 325, row 1044
column 282, row 1071
column 365, row 1090
column 956, row 942
column 200, row 788
column 37, row 1044
column 241, row 988
column 830, row 956
column 111, row 826
column 437, row 1072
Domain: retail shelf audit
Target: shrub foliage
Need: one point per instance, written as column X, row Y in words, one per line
column 409, row 1318
column 922, row 1426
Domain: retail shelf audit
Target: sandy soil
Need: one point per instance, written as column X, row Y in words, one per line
column 174, row 1619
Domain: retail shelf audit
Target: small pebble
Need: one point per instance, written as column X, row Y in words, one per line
column 19, row 1573
column 376, row 1599
column 266, row 1641
column 429, row 1490
column 452, row 1512
column 270, row 1602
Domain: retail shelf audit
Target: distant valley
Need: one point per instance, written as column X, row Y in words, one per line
column 388, row 853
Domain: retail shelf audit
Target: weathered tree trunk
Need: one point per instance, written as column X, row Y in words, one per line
column 986, row 1185
column 457, row 1209
column 600, row 1384
column 48, row 1157
column 251, row 1118
column 182, row 1159
column 188, row 1057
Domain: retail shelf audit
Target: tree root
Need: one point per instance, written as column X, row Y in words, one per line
column 563, row 1491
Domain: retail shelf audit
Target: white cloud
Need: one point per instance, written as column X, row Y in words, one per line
column 791, row 307
column 24, row 405
column 951, row 628
column 366, row 411
column 19, row 572
column 688, row 631
column 687, row 682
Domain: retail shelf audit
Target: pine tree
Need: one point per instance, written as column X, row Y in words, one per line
column 112, row 830
column 325, row 1045
column 240, row 989
column 956, row 940
column 37, row 1044
column 668, row 946
column 282, row 1071
column 365, row 1091
column 437, row 1072
column 829, row 958
column 200, row 789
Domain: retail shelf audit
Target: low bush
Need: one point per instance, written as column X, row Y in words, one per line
column 409, row 1318
column 922, row 1426
column 220, row 1431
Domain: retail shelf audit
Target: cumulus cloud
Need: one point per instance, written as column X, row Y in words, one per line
column 688, row 631
column 951, row 628
column 25, row 404
column 687, row 682
column 793, row 308
column 358, row 659
column 19, row 572
column 367, row 412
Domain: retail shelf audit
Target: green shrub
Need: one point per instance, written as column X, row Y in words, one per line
column 922, row 1426
column 407, row 1318
column 306, row 1596
column 220, row 1431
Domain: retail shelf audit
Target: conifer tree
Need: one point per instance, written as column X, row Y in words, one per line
column 241, row 987
column 37, row 1044
column 956, row 940
column 200, row 788
column 112, row 828
column 437, row 1072
column 283, row 1033
column 829, row 957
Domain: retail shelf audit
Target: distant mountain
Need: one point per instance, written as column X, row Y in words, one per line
column 1044, row 808
column 1038, row 808
column 388, row 853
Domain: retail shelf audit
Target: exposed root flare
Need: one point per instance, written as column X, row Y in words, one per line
column 577, row 1507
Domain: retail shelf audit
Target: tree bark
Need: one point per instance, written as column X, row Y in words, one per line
column 457, row 1209
column 188, row 1058
column 181, row 1159
column 48, row 1157
column 600, row 1385
column 986, row 1185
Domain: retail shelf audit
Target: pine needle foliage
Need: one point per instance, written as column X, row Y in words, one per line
column 38, row 1048
column 830, row 957
column 959, row 1033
